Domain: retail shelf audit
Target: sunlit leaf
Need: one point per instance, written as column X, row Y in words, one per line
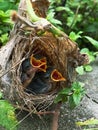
column 77, row 98
column 91, row 129
column 65, row 91
column 78, row 92
column 61, row 98
column 60, row 8
column 50, row 17
column 71, row 102
column 91, row 121
column 73, row 36
column 80, row 70
column 4, row 38
column 92, row 41
column 88, row 68
column 7, row 115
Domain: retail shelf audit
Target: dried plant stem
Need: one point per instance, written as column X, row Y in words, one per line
column 46, row 112
column 13, row 67
column 31, row 12
column 56, row 117
column 35, row 18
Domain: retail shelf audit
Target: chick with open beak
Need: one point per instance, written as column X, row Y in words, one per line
column 29, row 67
column 57, row 76
column 40, row 64
column 37, row 78
column 42, row 82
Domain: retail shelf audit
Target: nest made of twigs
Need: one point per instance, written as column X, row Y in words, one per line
column 47, row 46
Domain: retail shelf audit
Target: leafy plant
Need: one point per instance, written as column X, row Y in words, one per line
column 91, row 55
column 73, row 36
column 77, row 16
column 73, row 94
column 7, row 115
column 6, row 24
column 88, row 122
column 92, row 41
column 8, row 5
column 50, row 17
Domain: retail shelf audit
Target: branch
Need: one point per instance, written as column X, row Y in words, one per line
column 30, row 10
column 41, row 21
column 56, row 116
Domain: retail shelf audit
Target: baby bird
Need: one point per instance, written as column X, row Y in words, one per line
column 41, row 64
column 29, row 67
column 40, row 84
column 57, row 76
column 36, row 77
column 28, row 72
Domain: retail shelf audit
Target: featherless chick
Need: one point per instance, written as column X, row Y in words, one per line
column 29, row 67
column 42, row 82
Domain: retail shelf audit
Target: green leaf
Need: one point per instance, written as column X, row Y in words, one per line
column 91, row 121
column 65, row 91
column 61, row 98
column 50, row 17
column 69, row 20
column 62, row 95
column 7, row 115
column 4, row 38
column 64, row 98
column 72, row 94
column 80, row 70
column 58, row 99
column 91, row 129
column 60, row 8
column 73, row 36
column 7, row 5
column 55, row 21
column 95, row 53
column 85, row 50
column 77, row 98
column 88, row 68
column 92, row 41
column 78, row 87
column 78, row 92
column 71, row 102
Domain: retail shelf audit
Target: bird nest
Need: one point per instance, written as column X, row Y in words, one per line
column 34, row 84
column 42, row 64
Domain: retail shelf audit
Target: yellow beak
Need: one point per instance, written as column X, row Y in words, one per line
column 57, row 76
column 39, row 64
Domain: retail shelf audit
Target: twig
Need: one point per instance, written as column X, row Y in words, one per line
column 45, row 112
column 11, row 68
column 56, row 117
column 21, row 120
column 41, row 22
column 76, row 13
column 16, row 16
column 31, row 12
